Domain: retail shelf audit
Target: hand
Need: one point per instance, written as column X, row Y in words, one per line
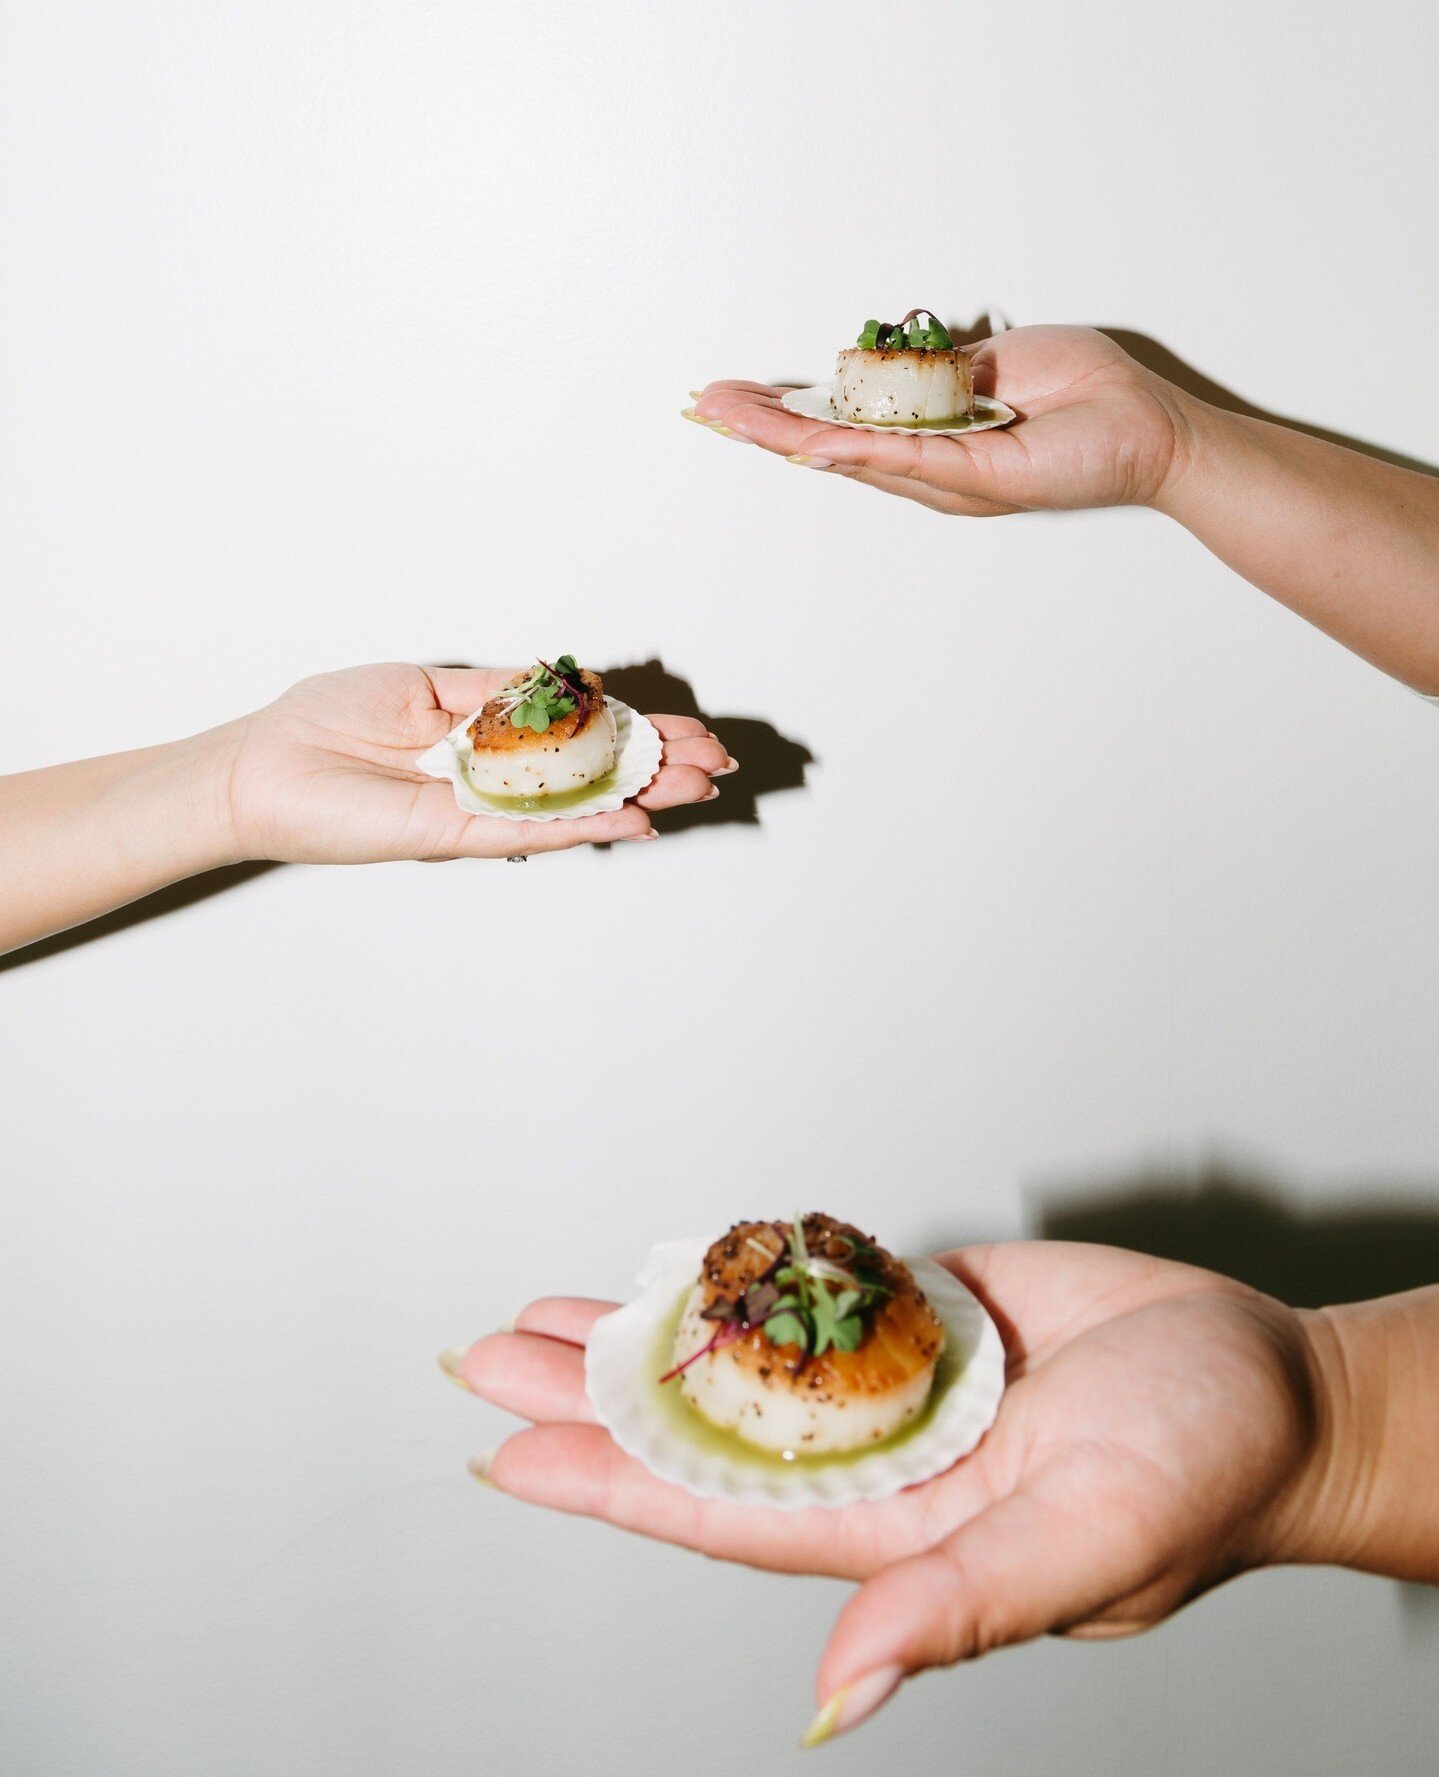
column 1094, row 429
column 1160, row 1433
column 326, row 774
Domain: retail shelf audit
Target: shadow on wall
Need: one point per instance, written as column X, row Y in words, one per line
column 1245, row 1226
column 769, row 761
column 1158, row 358
column 167, row 900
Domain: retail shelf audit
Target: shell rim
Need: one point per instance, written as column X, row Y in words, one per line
column 998, row 413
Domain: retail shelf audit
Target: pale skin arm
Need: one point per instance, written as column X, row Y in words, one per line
column 1164, row 1429
column 324, row 775
column 1349, row 543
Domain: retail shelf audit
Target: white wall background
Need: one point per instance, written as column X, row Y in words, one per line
column 264, row 413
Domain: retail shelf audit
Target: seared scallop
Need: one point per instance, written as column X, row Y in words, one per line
column 807, row 1396
column 902, row 387
column 574, row 749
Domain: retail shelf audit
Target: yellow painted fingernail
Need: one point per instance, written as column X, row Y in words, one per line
column 853, row 1703
column 695, row 394
column 797, row 459
column 824, row 1724
column 449, row 1362
column 479, row 1467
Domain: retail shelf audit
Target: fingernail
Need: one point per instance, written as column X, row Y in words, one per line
column 688, row 413
column 852, row 1704
column 632, row 838
column 695, row 394
column 725, row 769
column 713, row 792
column 449, row 1362
column 508, row 1326
column 811, row 462
column 479, row 1467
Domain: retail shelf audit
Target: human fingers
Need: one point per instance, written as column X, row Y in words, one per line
column 715, row 391
column 487, row 836
column 461, row 690
column 562, row 1317
column 966, row 466
column 539, row 1379
column 908, row 488
column 679, row 727
column 580, row 1469
column 706, row 752
column 675, row 785
column 1022, row 1568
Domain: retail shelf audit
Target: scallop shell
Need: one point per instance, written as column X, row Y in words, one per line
column 814, row 404
column 629, row 1350
column 638, row 749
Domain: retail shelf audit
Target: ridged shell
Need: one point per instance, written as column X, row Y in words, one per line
column 814, row 404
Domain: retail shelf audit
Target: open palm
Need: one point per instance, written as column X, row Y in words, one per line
column 1095, row 429
column 326, row 774
column 1157, row 1434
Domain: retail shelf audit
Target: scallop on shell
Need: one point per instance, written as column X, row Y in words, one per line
column 630, row 1350
column 638, row 750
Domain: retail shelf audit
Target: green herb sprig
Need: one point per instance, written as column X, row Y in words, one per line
column 546, row 694
column 821, row 1303
column 906, row 335
column 798, row 1300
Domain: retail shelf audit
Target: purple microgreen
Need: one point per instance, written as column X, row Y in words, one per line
column 910, row 334
column 725, row 1335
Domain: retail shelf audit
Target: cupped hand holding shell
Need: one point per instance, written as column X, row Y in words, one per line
column 1095, row 429
column 1159, row 1434
column 327, row 775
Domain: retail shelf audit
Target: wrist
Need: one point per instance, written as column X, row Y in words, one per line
column 1327, row 1518
column 1195, row 425
column 197, row 799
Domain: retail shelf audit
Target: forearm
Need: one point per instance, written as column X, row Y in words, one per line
column 1374, row 1504
column 77, row 840
column 1349, row 543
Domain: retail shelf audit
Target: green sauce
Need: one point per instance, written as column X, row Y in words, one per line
column 682, row 1419
column 533, row 804
column 984, row 414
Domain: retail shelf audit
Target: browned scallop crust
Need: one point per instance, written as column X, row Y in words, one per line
column 493, row 730
column 903, row 1337
column 954, row 355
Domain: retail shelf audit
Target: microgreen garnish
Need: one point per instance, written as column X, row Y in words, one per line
column 906, row 335
column 545, row 694
column 822, row 1303
column 800, row 1299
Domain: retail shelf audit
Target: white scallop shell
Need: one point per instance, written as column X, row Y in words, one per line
column 638, row 748
column 814, row 404
column 628, row 1351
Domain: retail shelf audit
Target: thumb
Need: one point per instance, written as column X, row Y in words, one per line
column 1015, row 1571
